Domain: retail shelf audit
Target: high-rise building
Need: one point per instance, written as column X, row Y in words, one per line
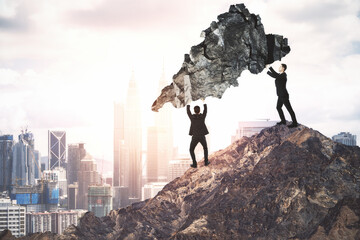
column 109, row 181
column 37, row 159
column 38, row 222
column 120, row 162
column 128, row 142
column 247, row 129
column 150, row 190
column 160, row 142
column 133, row 139
column 152, row 155
column 6, row 161
column 55, row 222
column 87, row 176
column 63, row 185
column 73, row 195
column 12, row 217
column 38, row 198
column 24, row 164
column 120, row 197
column 100, row 199
column 57, row 149
column 62, row 219
column 178, row 167
column 76, row 152
column 345, row 138
column 57, row 175
column 44, row 163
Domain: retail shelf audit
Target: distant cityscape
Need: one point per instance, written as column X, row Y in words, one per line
column 50, row 195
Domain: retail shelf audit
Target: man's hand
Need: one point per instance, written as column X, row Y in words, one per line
column 267, row 65
column 203, row 99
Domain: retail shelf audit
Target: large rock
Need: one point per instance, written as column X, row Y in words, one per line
column 234, row 43
column 279, row 184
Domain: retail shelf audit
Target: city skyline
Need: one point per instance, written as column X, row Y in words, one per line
column 90, row 55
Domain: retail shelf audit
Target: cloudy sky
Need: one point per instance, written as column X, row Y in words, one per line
column 64, row 63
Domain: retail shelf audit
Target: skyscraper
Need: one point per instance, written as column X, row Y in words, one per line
column 60, row 220
column 37, row 160
column 120, row 151
column 100, row 199
column 128, row 143
column 345, row 138
column 152, row 155
column 72, row 196
column 23, row 169
column 247, row 129
column 178, row 167
column 160, row 142
column 57, row 149
column 150, row 190
column 58, row 175
column 133, row 138
column 120, row 197
column 6, row 160
column 87, row 175
column 76, row 152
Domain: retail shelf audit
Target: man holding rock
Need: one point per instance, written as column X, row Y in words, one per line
column 283, row 95
column 198, row 130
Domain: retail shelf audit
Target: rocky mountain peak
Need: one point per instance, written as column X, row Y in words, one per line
column 279, row 184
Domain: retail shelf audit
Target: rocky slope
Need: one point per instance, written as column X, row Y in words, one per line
column 279, row 184
column 234, row 43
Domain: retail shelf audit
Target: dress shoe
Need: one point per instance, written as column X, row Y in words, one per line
column 207, row 163
column 193, row 165
column 293, row 125
column 281, row 123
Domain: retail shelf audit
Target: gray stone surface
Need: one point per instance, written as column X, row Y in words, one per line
column 279, row 184
column 236, row 42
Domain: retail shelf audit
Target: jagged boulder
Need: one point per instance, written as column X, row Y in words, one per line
column 236, row 42
column 279, row 184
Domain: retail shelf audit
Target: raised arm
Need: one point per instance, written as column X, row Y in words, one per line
column 188, row 111
column 205, row 110
column 272, row 73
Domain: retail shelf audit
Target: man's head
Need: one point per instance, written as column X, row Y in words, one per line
column 197, row 109
column 282, row 67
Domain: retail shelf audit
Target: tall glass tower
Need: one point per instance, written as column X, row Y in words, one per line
column 6, row 161
column 57, row 149
column 23, row 169
column 133, row 138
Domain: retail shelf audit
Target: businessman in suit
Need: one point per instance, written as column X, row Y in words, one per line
column 283, row 95
column 198, row 130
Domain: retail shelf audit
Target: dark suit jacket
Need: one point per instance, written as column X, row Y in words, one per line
column 198, row 127
column 280, row 82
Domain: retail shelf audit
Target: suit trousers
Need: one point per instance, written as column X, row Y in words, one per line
column 194, row 141
column 285, row 101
